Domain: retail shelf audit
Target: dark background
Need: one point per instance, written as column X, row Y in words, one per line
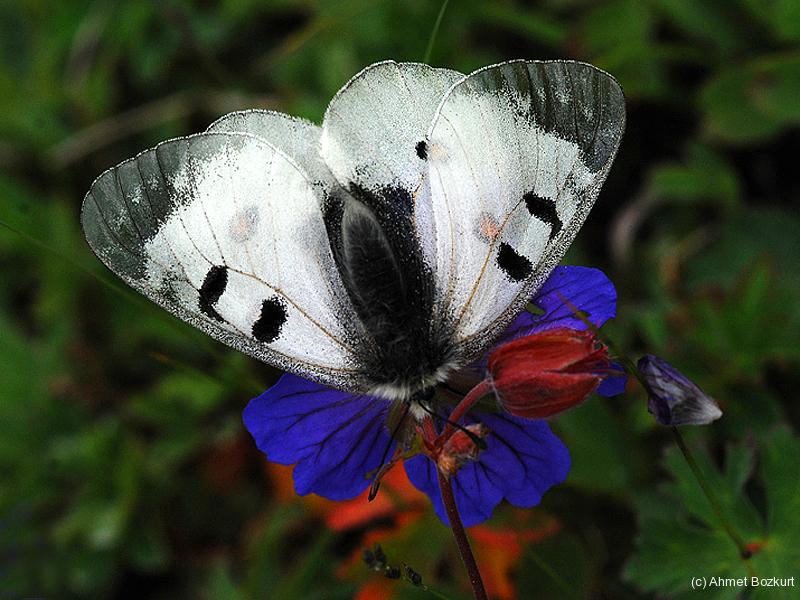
column 125, row 470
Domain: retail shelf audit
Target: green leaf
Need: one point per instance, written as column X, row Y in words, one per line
column 147, row 547
column 680, row 536
column 711, row 21
column 780, row 473
column 535, row 24
column 776, row 87
column 745, row 326
column 729, row 110
column 558, row 567
column 756, row 234
column 748, row 410
column 221, row 584
column 781, row 16
column 606, row 466
column 265, row 548
column 618, row 36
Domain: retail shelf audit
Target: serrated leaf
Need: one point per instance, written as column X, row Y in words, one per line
column 680, row 536
column 780, row 473
column 745, row 326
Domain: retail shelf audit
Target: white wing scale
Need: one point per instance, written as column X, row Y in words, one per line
column 298, row 138
column 373, row 133
column 373, row 124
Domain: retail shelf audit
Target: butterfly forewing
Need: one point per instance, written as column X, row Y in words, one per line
column 517, row 153
column 226, row 232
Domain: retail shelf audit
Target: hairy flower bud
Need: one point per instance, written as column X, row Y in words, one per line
column 673, row 398
column 545, row 373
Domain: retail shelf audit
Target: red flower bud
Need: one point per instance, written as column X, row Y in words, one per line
column 545, row 373
column 459, row 448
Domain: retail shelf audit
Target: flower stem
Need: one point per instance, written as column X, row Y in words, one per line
column 475, row 394
column 460, row 535
column 744, row 553
column 631, row 369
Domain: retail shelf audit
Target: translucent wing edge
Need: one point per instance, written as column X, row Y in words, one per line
column 368, row 68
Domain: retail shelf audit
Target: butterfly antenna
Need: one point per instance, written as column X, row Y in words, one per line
column 480, row 443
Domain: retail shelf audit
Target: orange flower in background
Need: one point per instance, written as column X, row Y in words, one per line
column 397, row 498
column 399, row 506
column 499, row 550
column 376, row 589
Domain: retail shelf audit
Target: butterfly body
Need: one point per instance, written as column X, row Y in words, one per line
column 377, row 254
column 383, row 250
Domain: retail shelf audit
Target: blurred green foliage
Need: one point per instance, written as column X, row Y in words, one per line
column 125, row 468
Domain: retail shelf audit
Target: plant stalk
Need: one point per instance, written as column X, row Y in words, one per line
column 631, row 369
column 744, row 553
column 429, row 49
column 460, row 535
column 475, row 394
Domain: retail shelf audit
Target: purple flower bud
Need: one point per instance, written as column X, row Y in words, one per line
column 673, row 398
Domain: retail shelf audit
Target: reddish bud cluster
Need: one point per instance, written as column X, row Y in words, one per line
column 459, row 448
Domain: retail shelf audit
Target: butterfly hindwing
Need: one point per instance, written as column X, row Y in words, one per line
column 373, row 125
column 226, row 232
column 516, row 154
column 297, row 138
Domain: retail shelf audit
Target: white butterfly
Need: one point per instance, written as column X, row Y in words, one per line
column 386, row 248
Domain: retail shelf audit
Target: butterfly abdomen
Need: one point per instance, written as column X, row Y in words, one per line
column 391, row 288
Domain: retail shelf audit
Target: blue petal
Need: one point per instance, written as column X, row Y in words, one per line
column 614, row 383
column 589, row 290
column 523, row 459
column 335, row 438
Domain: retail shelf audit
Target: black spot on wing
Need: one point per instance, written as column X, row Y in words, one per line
column 269, row 324
column 422, row 149
column 544, row 209
column 213, row 287
column 513, row 264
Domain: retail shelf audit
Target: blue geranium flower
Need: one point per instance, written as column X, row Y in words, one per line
column 338, row 440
